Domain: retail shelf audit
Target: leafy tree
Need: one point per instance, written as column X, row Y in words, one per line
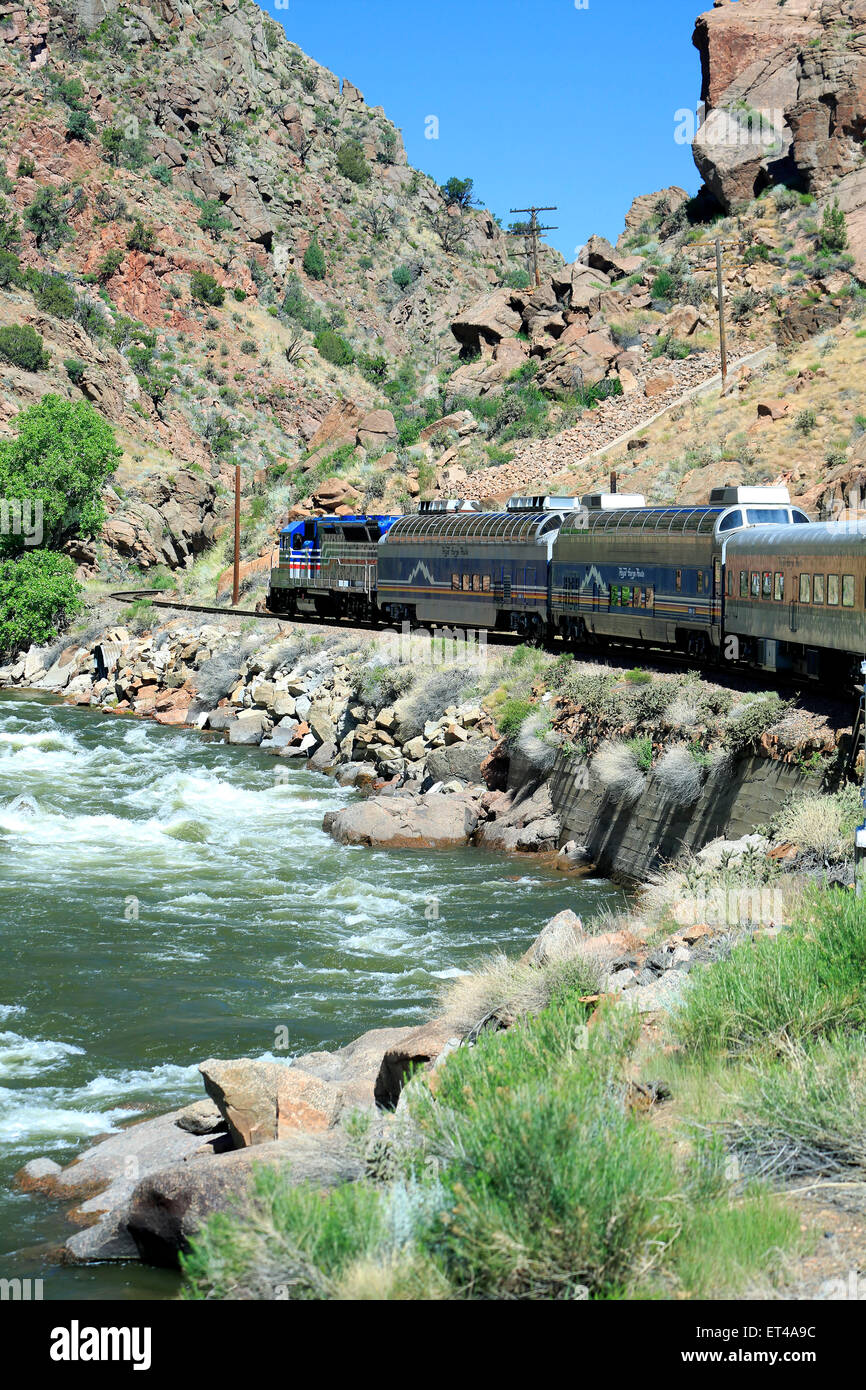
column 314, row 260
column 38, row 594
column 61, row 455
column 333, row 348
column 458, row 193
column 352, row 163
column 205, row 289
column 46, row 218
column 22, row 346
column 141, row 237
column 212, row 218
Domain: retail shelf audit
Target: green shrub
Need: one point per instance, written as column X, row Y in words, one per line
column 80, row 126
column 10, row 270
column 553, row 1185
column 517, row 280
column 638, row 677
column 352, row 163
column 204, row 289
column 806, row 984
column 109, row 265
column 162, row 174
column 26, row 167
column 374, row 367
column 54, row 296
column 74, row 370
column 314, row 261
column 834, row 233
column 212, row 218
column 46, row 218
column 141, row 237
column 111, row 140
column 23, row 347
column 510, row 717
column 402, row 276
column 333, row 348
column 38, row 595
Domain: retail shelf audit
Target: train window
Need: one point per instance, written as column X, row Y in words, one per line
column 779, row 587
column 700, row 581
column 833, row 590
column 455, row 581
column 730, row 583
column 649, row 594
column 767, row 584
column 626, row 597
column 731, row 521
column 679, row 580
column 799, row 518
column 805, row 588
column 756, row 584
column 485, row 584
column 639, row 600
column 476, row 583
column 744, row 583
column 466, row 581
column 818, row 588
column 615, row 596
column 764, row 516
column 847, row 591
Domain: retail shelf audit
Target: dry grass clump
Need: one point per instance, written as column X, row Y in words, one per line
column 537, row 743
column 822, row 825
column 510, row 989
column 679, row 776
column 617, row 766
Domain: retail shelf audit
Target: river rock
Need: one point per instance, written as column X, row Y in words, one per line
column 39, row 1175
column 202, row 1117
column 521, row 820
column 417, row 1048
column 406, row 822
column 249, row 727
column 168, row 1206
column 459, row 759
column 245, row 1093
column 558, row 940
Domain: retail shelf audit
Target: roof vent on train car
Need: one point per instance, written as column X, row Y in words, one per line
column 450, row 504
column 612, row 501
column 751, row 496
column 542, row 504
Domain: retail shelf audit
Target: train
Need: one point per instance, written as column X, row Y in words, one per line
column 747, row 578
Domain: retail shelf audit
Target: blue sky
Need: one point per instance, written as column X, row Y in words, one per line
column 537, row 100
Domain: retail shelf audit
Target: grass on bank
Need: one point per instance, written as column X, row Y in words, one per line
column 522, row 1172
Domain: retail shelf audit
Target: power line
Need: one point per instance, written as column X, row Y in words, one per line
column 532, row 234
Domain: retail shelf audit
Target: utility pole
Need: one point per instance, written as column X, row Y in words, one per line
column 723, row 345
column 534, row 229
column 236, row 583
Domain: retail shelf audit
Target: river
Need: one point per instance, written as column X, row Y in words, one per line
column 165, row 898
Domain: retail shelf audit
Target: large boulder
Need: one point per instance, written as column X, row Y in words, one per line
column 169, row 1206
column 417, row 1048
column 377, row 429
column 559, row 940
column 488, row 321
column 461, row 760
column 598, row 254
column 651, row 208
column 434, row 821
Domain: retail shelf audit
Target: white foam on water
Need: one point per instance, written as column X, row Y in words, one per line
column 31, row 1117
column 23, row 1057
column 11, row 1011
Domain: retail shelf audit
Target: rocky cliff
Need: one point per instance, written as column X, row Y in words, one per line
column 182, row 163
column 784, row 87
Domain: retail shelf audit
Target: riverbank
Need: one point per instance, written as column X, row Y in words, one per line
column 450, row 750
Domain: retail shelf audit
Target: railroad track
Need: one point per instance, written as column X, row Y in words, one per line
column 613, row 655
